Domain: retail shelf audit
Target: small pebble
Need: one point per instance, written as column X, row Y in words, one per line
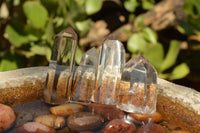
column 108, row 112
column 119, row 126
column 52, row 121
column 35, row 127
column 84, row 121
column 66, row 109
column 66, row 130
column 139, row 118
column 151, row 128
column 7, row 117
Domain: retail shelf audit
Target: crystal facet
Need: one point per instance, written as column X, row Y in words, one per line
column 110, row 66
column 84, row 77
column 60, row 71
column 137, row 93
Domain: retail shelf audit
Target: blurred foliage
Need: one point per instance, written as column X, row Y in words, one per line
column 145, row 41
column 34, row 36
column 31, row 35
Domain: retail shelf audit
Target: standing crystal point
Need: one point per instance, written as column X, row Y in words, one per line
column 137, row 93
column 84, row 77
column 60, row 71
column 110, row 66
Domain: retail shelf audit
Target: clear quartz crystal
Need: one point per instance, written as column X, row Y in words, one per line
column 60, row 71
column 110, row 66
column 137, row 93
column 84, row 77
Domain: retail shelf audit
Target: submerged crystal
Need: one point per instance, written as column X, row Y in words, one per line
column 60, row 71
column 137, row 93
column 110, row 66
column 84, row 77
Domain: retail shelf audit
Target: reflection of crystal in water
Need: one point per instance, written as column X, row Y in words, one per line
column 84, row 77
column 111, row 63
column 137, row 92
column 59, row 77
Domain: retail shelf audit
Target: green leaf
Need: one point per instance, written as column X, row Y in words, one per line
column 58, row 21
column 17, row 35
column 9, row 61
column 131, row 5
column 14, row 37
column 40, row 50
column 50, row 5
column 136, row 43
column 155, row 55
column 192, row 8
column 49, row 32
column 172, row 55
column 147, row 5
column 35, row 13
column 150, row 35
column 93, row 6
column 139, row 23
column 80, row 2
column 76, row 10
column 84, row 26
column 179, row 72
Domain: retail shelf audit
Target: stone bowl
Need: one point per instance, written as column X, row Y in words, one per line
column 179, row 105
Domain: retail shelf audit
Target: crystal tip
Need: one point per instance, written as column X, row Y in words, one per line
column 112, row 37
column 70, row 30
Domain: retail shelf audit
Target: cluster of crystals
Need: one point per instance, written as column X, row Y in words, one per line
column 102, row 78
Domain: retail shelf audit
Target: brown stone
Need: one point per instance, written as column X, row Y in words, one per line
column 66, row 130
column 139, row 118
column 119, row 126
column 35, row 127
column 66, row 109
column 84, row 121
column 52, row 121
column 108, row 112
column 7, row 117
column 151, row 128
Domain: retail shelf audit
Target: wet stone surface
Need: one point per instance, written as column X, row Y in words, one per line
column 35, row 127
column 84, row 121
column 66, row 109
column 140, row 118
column 108, row 112
column 89, row 122
column 151, row 128
column 119, row 126
column 52, row 121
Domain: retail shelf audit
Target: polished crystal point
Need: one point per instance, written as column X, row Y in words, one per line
column 60, row 72
column 112, row 37
column 137, row 93
column 90, row 57
column 110, row 66
column 84, row 77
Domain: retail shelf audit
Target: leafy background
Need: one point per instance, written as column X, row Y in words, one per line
column 28, row 30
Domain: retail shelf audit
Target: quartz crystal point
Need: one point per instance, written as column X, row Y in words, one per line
column 60, row 71
column 110, row 66
column 137, row 93
column 84, row 77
